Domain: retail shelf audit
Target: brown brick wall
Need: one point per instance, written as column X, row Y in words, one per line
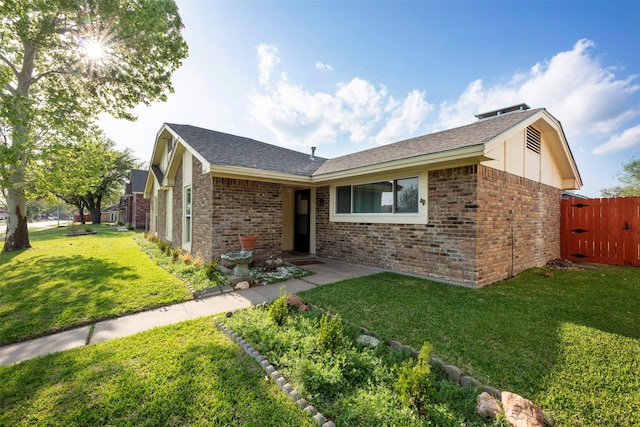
column 162, row 216
column 467, row 239
column 535, row 218
column 443, row 249
column 141, row 207
column 246, row 207
column 201, row 217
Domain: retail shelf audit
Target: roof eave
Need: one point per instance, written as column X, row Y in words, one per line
column 468, row 154
column 238, row 172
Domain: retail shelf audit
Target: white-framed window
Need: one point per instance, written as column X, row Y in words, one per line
column 187, row 215
column 155, row 215
column 399, row 200
column 394, row 196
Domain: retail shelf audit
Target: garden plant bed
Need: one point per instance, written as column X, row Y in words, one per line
column 351, row 383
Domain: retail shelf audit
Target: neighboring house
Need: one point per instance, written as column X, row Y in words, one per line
column 134, row 208
column 110, row 214
column 470, row 205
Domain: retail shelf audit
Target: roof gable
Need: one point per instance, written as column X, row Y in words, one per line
column 138, row 179
column 224, row 149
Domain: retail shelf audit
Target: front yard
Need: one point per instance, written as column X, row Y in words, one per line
column 567, row 340
column 64, row 282
column 184, row 374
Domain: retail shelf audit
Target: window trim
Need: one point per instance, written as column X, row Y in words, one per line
column 421, row 217
column 187, row 216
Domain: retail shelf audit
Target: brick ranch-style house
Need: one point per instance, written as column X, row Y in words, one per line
column 470, row 205
column 134, row 207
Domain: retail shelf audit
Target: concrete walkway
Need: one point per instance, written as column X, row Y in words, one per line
column 329, row 271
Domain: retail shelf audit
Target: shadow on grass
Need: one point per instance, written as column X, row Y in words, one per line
column 58, row 293
column 178, row 375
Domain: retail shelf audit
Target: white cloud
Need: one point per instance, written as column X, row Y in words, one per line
column 324, row 67
column 363, row 112
column 573, row 85
column 267, row 60
column 626, row 139
column 405, row 120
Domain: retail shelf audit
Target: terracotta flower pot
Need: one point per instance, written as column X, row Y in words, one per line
column 248, row 243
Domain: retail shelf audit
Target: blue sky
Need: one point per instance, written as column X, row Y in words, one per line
column 347, row 76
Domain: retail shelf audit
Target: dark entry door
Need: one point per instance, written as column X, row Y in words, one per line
column 301, row 232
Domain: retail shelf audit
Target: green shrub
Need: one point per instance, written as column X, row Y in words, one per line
column 414, row 385
column 211, row 270
column 278, row 310
column 175, row 254
column 331, row 332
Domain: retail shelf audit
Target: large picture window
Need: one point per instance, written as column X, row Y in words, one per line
column 396, row 196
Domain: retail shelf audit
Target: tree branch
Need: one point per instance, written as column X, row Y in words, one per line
column 9, row 63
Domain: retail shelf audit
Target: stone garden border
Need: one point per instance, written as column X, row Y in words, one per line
column 518, row 410
column 274, row 375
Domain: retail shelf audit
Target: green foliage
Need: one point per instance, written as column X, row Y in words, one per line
column 516, row 348
column 354, row 384
column 52, row 91
column 629, row 178
column 331, row 333
column 415, row 386
column 278, row 310
column 195, row 272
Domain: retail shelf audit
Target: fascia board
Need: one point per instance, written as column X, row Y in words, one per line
column 257, row 175
column 425, row 161
column 148, row 186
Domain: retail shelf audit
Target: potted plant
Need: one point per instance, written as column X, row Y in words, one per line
column 247, row 242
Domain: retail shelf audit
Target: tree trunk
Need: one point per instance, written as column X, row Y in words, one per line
column 81, row 214
column 93, row 204
column 17, row 237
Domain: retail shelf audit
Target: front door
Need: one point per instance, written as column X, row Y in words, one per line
column 302, row 225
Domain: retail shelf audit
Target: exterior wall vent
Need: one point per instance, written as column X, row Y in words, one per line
column 534, row 140
column 170, row 144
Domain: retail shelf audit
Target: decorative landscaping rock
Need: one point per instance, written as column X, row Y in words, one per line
column 368, row 340
column 296, row 301
column 453, row 372
column 466, row 381
column 242, row 285
column 492, row 391
column 521, row 412
column 488, row 406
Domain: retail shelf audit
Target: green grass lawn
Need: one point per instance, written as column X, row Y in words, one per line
column 184, row 374
column 62, row 282
column 569, row 342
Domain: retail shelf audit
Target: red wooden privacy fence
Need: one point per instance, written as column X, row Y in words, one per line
column 605, row 231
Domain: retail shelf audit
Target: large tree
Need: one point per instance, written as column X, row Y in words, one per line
column 62, row 62
column 83, row 174
column 629, row 178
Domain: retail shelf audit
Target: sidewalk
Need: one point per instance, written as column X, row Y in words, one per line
column 329, row 271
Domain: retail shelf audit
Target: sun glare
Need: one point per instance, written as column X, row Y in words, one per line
column 94, row 50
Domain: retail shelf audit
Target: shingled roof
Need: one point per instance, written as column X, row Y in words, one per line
column 230, row 150
column 138, row 179
column 476, row 133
